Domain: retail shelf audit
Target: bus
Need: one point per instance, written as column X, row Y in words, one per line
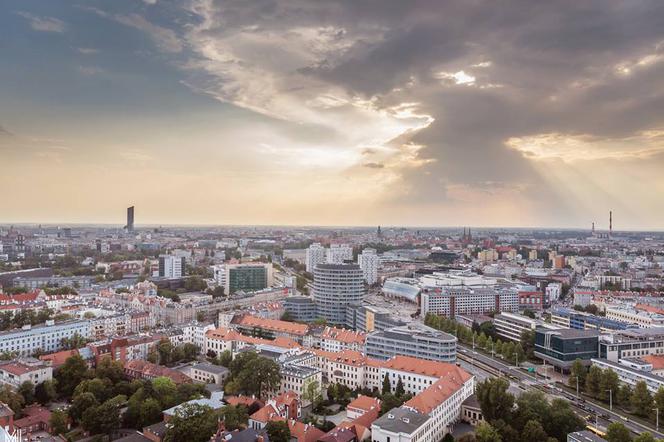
column 596, row 430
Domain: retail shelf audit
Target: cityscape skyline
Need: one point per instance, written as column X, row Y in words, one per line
column 304, row 113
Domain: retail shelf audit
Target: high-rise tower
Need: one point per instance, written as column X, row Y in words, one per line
column 130, row 219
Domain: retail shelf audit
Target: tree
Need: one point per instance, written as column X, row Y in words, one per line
column 105, row 418
column 641, row 399
column 58, row 422
column 592, row 381
column 72, row 373
column 659, row 399
column 111, row 370
column 225, row 358
column 617, row 432
column 563, row 420
column 164, row 350
column 278, row 431
column 82, row 402
column 486, row 433
column 579, row 371
column 165, row 391
column 624, row 395
column 235, row 416
column 27, row 390
column 260, row 375
column 150, row 412
column 100, row 388
column 608, row 384
column 387, row 387
column 388, row 402
column 533, row 431
column 495, row 401
column 46, row 392
column 399, row 390
column 312, row 393
column 13, row 400
column 645, row 437
column 192, row 423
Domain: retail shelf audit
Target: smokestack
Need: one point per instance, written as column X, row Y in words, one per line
column 593, row 227
column 610, row 222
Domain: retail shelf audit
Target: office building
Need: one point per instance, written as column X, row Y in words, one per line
column 130, row 219
column 171, row 266
column 338, row 254
column 35, row 282
column 562, row 347
column 451, row 301
column 368, row 318
column 315, row 255
column 219, row 274
column 568, row 318
column 643, row 316
column 512, row 325
column 418, row 341
column 631, row 371
column 369, row 261
column 300, row 308
column 335, row 287
column 632, row 343
column 248, row 277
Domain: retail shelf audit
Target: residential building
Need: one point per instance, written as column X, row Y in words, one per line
column 361, row 405
column 45, row 337
column 414, row 340
column 206, row 373
column 139, row 369
column 270, row 328
column 219, row 274
column 35, row 282
column 14, row 373
column 335, row 287
column 368, row 261
column 337, row 339
column 315, row 255
column 338, row 254
column 531, row 300
column 171, row 266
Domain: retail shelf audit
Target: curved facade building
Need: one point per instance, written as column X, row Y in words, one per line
column 335, row 287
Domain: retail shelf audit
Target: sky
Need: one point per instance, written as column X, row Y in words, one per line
column 510, row 113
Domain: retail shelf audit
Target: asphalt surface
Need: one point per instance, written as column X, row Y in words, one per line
column 520, row 380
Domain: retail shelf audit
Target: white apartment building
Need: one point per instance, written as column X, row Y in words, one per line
column 369, row 262
column 553, row 291
column 630, row 375
column 194, row 333
column 219, row 272
column 171, row 266
column 338, row 254
column 315, row 255
column 14, row 373
column 454, row 301
column 45, row 337
column 511, row 325
column 337, row 339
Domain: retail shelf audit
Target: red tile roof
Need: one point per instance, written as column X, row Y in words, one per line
column 343, row 335
column 150, row 370
column 274, row 325
column 438, row 392
column 304, row 432
column 364, row 403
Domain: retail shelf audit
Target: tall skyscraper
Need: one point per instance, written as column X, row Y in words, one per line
column 335, row 287
column 369, row 261
column 130, row 219
column 315, row 255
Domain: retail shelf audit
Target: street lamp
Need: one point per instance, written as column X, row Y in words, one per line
column 577, row 386
column 657, row 419
column 610, row 399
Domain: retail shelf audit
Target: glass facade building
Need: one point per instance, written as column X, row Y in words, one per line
column 335, row 287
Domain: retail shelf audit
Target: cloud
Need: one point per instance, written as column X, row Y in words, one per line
column 90, row 70
column 164, row 38
column 44, row 24
column 374, row 165
column 87, row 51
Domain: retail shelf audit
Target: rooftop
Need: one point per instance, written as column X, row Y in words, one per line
column 401, row 420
